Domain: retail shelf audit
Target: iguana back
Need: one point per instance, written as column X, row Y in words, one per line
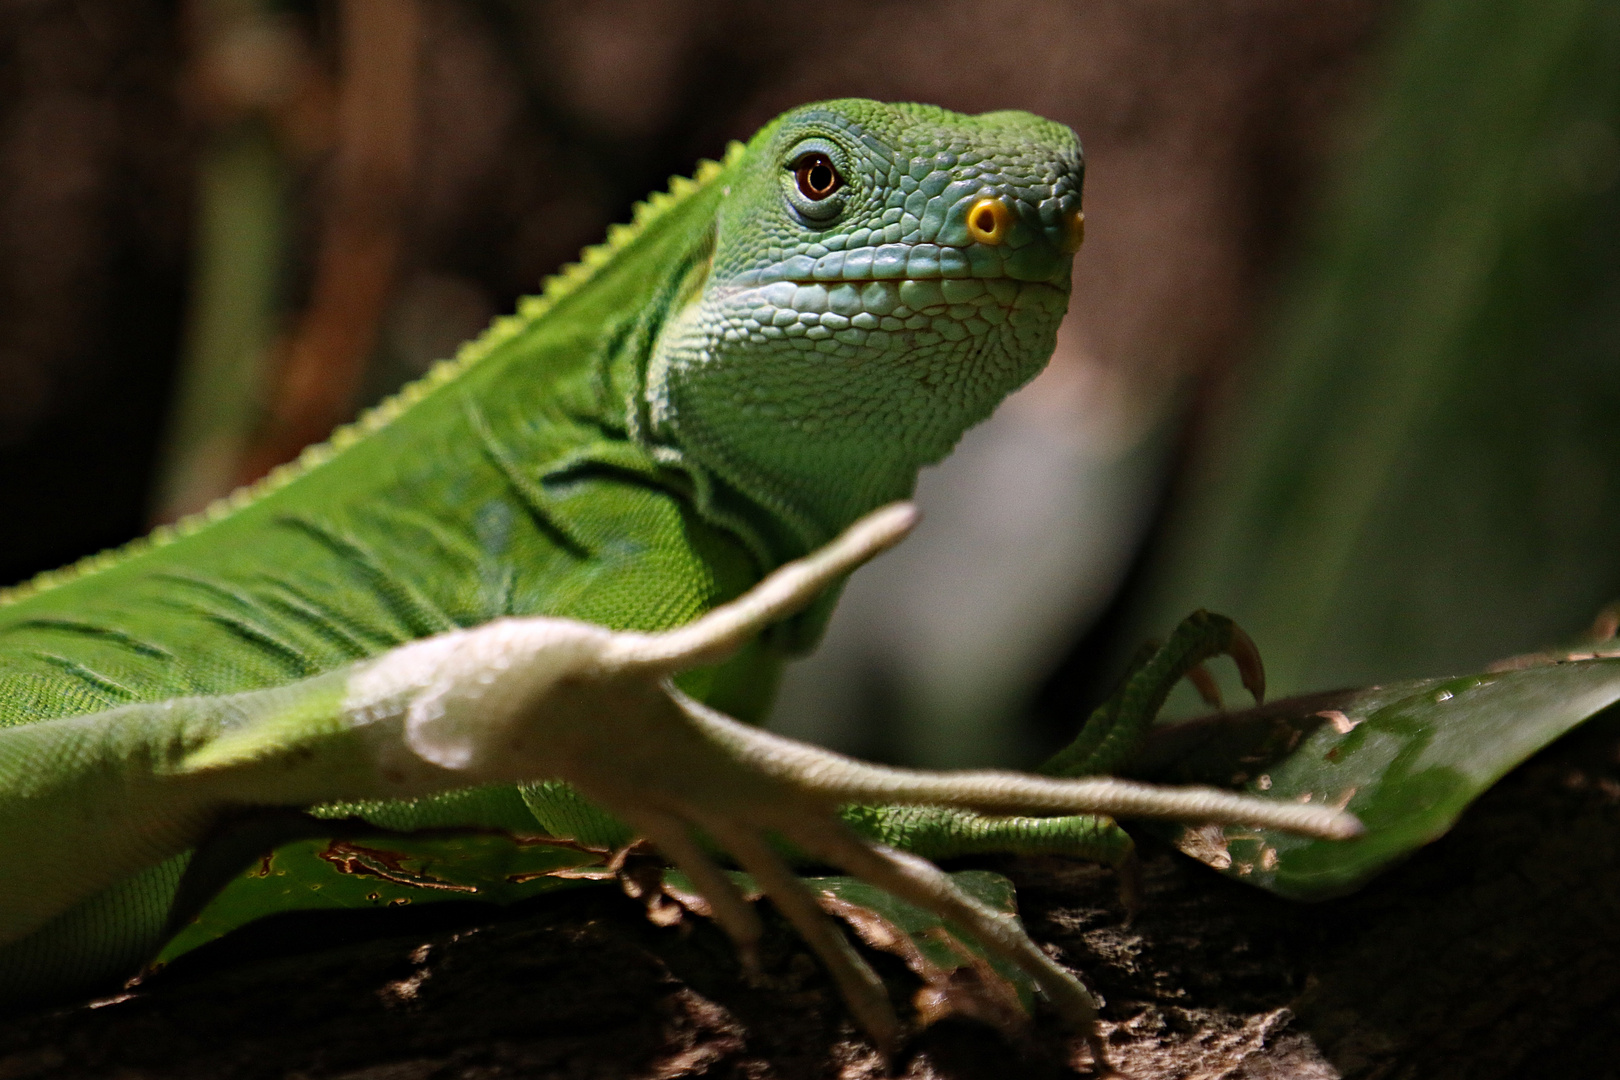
column 768, row 353
column 429, row 515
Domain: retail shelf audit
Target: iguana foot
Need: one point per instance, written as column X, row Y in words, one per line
column 1114, row 731
column 521, row 700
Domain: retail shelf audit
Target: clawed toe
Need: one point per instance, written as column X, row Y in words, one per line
column 862, row 990
column 727, row 905
column 907, row 877
column 1113, row 732
column 920, row 882
column 680, row 765
column 1246, row 655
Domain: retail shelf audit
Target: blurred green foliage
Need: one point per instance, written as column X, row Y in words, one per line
column 1422, row 470
column 239, row 265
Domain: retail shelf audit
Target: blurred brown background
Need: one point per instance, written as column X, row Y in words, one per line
column 225, row 225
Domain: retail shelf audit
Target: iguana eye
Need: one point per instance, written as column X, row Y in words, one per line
column 816, row 176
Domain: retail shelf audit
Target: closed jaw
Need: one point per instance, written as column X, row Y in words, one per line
column 848, row 311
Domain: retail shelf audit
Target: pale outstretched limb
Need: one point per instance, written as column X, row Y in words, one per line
column 527, row 699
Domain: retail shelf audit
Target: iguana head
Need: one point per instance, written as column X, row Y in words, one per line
column 882, row 277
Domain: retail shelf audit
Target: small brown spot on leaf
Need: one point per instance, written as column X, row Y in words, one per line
column 362, row 861
column 1341, row 723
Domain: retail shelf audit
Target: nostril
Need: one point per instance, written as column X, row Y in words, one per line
column 1074, row 231
column 989, row 220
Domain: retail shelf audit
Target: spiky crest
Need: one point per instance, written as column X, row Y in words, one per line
column 503, row 329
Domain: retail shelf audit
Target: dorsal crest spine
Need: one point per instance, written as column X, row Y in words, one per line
column 501, row 330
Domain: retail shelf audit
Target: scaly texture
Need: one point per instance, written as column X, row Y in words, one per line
column 470, row 609
column 825, row 365
column 723, row 385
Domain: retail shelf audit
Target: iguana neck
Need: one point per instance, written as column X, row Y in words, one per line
column 794, row 478
column 813, row 439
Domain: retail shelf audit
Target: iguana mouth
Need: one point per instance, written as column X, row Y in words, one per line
column 859, row 313
column 902, row 280
column 934, row 295
column 778, row 300
column 1030, row 265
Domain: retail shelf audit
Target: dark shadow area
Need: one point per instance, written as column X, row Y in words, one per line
column 1489, row 954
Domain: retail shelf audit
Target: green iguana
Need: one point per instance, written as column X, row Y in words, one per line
column 485, row 586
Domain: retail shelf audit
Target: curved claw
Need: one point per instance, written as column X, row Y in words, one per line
column 862, row 990
column 1115, row 729
column 922, row 883
column 1246, row 655
column 1208, row 689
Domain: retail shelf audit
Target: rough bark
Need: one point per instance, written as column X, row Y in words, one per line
column 1489, row 954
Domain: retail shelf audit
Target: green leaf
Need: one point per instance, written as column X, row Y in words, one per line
column 1406, row 758
column 389, row 869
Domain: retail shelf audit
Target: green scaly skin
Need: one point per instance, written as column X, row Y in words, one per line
column 721, row 387
column 1114, row 732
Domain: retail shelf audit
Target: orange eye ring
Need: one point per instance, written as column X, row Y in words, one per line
column 816, row 177
column 989, row 221
column 1074, row 231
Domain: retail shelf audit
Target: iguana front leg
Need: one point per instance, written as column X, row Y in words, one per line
column 1114, row 731
column 525, row 699
column 1109, row 739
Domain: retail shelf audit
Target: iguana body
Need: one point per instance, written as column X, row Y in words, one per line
column 768, row 353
